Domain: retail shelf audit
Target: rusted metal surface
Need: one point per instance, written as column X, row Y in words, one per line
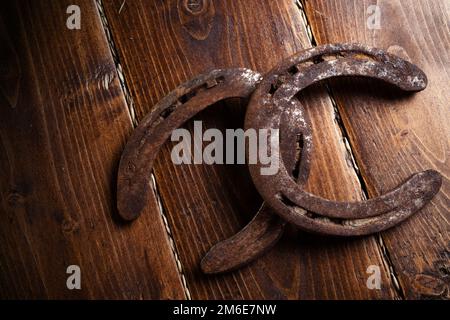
column 274, row 105
column 307, row 211
column 133, row 187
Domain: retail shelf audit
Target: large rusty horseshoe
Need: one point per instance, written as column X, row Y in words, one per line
column 290, row 201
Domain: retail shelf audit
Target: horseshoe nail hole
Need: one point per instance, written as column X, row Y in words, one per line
column 202, row 87
column 220, row 79
column 293, row 70
column 186, row 97
column 333, row 56
column 317, row 60
column 168, row 111
column 298, row 152
column 307, row 63
column 324, row 57
column 211, row 83
column 273, row 88
column 276, row 84
column 330, row 57
column 362, row 56
column 311, row 215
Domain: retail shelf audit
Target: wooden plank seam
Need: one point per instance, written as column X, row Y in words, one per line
column 388, row 261
column 352, row 160
column 132, row 114
column 171, row 240
column 112, row 48
column 364, row 192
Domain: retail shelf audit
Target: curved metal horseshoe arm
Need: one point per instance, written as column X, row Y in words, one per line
column 264, row 230
column 133, row 187
column 407, row 192
column 333, row 209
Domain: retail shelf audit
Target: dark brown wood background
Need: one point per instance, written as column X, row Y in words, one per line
column 69, row 99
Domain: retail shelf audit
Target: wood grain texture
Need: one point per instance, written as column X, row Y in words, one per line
column 64, row 122
column 394, row 135
column 162, row 44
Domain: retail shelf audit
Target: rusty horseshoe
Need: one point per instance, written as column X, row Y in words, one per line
column 176, row 108
column 305, row 210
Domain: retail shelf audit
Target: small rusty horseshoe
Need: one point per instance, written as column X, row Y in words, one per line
column 172, row 111
column 289, row 200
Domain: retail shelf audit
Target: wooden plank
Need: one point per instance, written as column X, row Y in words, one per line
column 161, row 45
column 394, row 135
column 64, row 122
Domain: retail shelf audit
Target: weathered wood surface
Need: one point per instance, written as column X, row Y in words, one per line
column 162, row 44
column 391, row 137
column 64, row 122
